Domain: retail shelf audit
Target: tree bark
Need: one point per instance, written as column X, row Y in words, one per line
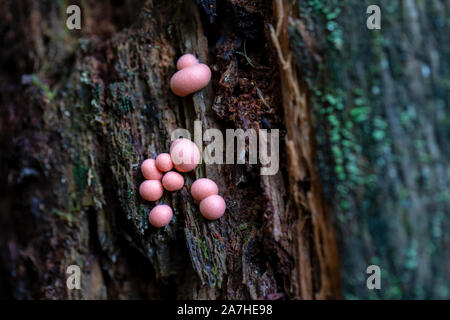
column 81, row 110
column 91, row 110
column 379, row 103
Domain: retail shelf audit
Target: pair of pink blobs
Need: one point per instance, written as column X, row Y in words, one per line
column 171, row 181
column 191, row 77
column 205, row 191
column 151, row 189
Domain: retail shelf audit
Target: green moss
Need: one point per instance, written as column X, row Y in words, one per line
column 242, row 227
column 346, row 121
column 356, row 118
column 38, row 82
column 66, row 216
column 203, row 246
column 328, row 11
column 214, row 270
column 120, row 93
column 80, row 174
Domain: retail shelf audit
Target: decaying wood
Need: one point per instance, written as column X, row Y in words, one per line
column 363, row 120
column 81, row 110
column 314, row 281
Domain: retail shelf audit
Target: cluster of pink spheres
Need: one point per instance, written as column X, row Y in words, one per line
column 184, row 157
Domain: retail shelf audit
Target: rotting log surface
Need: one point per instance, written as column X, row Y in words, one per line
column 364, row 124
column 82, row 109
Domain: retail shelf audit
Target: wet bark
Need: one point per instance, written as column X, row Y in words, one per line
column 82, row 109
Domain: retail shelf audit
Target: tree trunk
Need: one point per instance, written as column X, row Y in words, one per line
column 81, row 110
column 380, row 101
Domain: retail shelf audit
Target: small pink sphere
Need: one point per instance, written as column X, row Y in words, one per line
column 149, row 170
column 185, row 155
column 190, row 79
column 186, row 60
column 151, row 190
column 160, row 215
column 164, row 162
column 173, row 181
column 202, row 188
column 212, row 207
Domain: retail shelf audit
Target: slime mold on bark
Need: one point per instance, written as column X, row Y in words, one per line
column 160, row 215
column 186, row 60
column 151, row 190
column 172, row 181
column 191, row 77
column 150, row 171
column 202, row 188
column 185, row 155
column 212, row 207
column 164, row 162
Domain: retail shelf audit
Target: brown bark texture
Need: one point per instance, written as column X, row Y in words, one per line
column 82, row 109
column 364, row 154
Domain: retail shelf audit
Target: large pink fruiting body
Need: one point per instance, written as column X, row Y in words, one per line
column 172, row 181
column 160, row 215
column 151, row 190
column 212, row 207
column 149, row 170
column 202, row 188
column 164, row 162
column 186, row 60
column 185, row 155
column 191, row 77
